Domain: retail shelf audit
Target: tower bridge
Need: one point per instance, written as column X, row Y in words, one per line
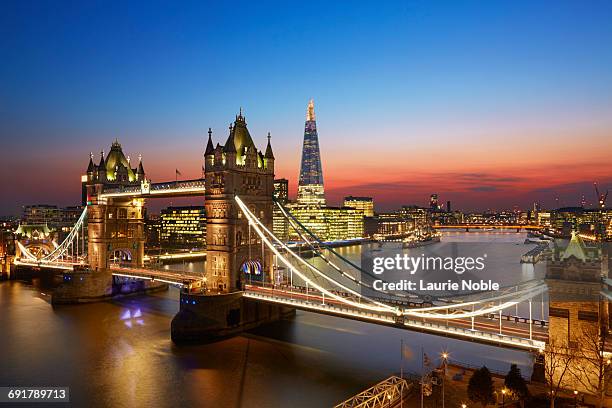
column 249, row 273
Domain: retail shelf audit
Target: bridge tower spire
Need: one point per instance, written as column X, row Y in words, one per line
column 236, row 169
column 115, row 226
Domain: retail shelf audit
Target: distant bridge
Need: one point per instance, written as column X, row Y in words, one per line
column 490, row 226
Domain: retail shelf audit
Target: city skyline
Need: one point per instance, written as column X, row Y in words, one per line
column 472, row 191
column 270, row 204
column 524, row 116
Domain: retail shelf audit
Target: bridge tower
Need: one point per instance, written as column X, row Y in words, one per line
column 234, row 251
column 574, row 277
column 578, row 316
column 115, row 225
column 234, row 254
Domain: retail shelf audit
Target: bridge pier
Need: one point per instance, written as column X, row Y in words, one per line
column 86, row 286
column 207, row 318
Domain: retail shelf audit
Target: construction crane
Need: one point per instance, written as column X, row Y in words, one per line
column 601, row 198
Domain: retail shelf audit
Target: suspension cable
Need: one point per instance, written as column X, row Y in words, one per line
column 64, row 246
column 316, row 270
column 256, row 225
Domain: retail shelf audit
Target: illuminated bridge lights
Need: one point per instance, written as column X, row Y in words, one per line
column 341, row 300
column 431, row 327
column 52, row 265
column 172, row 188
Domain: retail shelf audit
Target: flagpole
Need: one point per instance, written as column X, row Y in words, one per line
column 422, row 373
column 402, row 373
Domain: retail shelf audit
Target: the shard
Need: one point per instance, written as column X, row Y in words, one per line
column 310, row 186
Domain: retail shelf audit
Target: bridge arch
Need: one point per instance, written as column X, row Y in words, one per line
column 120, row 255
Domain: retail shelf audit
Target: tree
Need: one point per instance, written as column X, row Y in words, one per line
column 480, row 387
column 557, row 360
column 515, row 382
column 592, row 369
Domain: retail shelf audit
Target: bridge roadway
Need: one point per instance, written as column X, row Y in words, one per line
column 181, row 278
column 64, row 265
column 484, row 329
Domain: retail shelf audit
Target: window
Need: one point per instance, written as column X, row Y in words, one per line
column 558, row 312
column 588, row 316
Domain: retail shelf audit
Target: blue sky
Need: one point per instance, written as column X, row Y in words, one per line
column 422, row 82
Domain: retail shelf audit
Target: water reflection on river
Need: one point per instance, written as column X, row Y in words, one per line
column 119, row 353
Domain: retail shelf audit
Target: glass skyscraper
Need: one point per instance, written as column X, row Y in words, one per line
column 310, row 186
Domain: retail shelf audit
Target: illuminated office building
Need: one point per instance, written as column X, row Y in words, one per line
column 543, row 218
column 328, row 223
column 280, row 225
column 153, row 228
column 183, row 226
column 393, row 224
column 281, row 190
column 420, row 215
column 310, row 185
column 365, row 204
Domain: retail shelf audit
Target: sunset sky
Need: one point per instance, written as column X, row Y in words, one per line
column 488, row 104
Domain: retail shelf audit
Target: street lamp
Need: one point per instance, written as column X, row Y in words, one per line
column 575, row 398
column 463, row 405
column 504, row 397
column 444, row 362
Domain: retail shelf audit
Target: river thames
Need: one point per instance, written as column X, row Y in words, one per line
column 118, row 353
